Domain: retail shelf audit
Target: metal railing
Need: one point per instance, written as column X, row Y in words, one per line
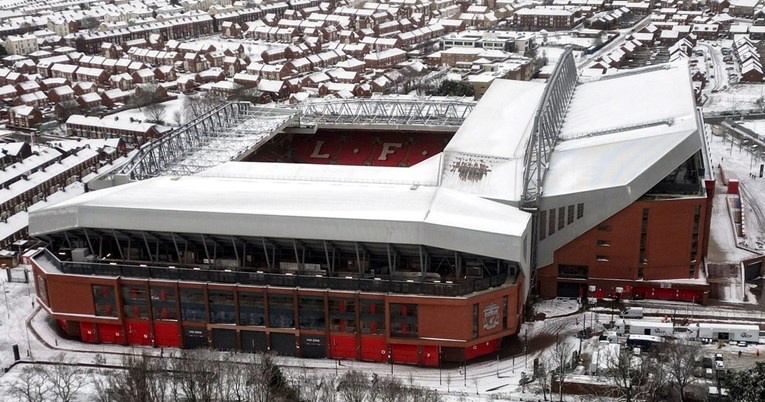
column 380, row 285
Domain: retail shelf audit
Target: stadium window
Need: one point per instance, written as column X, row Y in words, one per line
column 579, row 211
column 603, row 243
column 641, row 272
column 695, row 234
column 372, row 317
column 570, row 215
column 602, row 258
column 311, row 312
column 103, row 297
column 403, row 320
column 251, row 309
column 221, row 306
column 475, row 320
column 604, row 228
column 692, row 271
column 551, row 222
column 642, row 259
column 561, row 217
column 281, row 311
column 504, row 312
column 193, row 304
column 134, row 301
column 163, row 303
column 342, row 315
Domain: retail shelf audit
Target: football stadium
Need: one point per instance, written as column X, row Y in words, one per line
column 414, row 240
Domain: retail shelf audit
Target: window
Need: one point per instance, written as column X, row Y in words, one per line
column 222, row 307
column 193, row 304
column 342, row 315
column 641, row 272
column 106, row 305
column 163, row 303
column 602, row 258
column 251, row 309
column 372, row 317
column 643, row 239
column 579, row 211
column 695, row 241
column 134, row 301
column 403, row 320
column 551, row 222
column 604, row 228
column 570, row 215
column 311, row 312
column 281, row 311
column 573, row 271
column 475, row 320
column 561, row 217
column 504, row 312
column 695, row 234
column 603, row 243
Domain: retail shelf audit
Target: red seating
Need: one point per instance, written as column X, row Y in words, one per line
column 356, row 148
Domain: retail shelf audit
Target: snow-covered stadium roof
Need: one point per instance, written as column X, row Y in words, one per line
column 486, row 156
column 613, row 149
column 609, row 141
column 620, row 136
column 374, row 205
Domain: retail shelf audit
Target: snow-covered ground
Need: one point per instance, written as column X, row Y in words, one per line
column 736, row 97
column 173, row 112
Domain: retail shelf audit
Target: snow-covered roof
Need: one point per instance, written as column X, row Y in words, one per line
column 495, row 135
column 619, row 147
column 376, row 205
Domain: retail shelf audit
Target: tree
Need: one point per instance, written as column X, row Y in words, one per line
column 455, row 88
column 89, row 22
column 145, row 94
column 143, row 380
column 353, row 387
column 155, row 112
column 560, row 357
column 195, row 106
column 543, row 377
column 66, row 109
column 747, row 385
column 65, row 378
column 680, row 358
column 628, row 372
column 31, row 385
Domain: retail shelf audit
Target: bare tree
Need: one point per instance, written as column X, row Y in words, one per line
column 89, row 23
column 543, row 377
column 195, row 372
column 155, row 112
column 144, row 379
column 145, row 94
column 629, row 373
column 66, row 109
column 31, row 385
column 680, row 358
column 65, row 378
column 353, row 387
column 560, row 357
column 391, row 389
column 657, row 387
column 195, row 106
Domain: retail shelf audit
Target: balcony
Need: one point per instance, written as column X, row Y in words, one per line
column 382, row 284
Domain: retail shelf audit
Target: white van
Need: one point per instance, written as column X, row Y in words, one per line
column 632, row 312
